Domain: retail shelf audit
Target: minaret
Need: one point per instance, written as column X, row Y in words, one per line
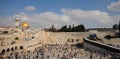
column 17, row 23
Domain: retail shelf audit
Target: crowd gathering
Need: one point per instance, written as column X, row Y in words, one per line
column 117, row 46
column 58, row 51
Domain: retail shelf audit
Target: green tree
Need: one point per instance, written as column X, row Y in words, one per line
column 64, row 28
column 69, row 29
column 115, row 26
column 53, row 29
column 16, row 38
column 72, row 29
column 79, row 28
column 83, row 28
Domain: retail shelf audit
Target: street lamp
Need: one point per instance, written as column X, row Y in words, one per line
column 119, row 26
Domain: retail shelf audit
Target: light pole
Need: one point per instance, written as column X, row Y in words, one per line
column 119, row 26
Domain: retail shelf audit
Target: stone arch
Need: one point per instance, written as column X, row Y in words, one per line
column 16, row 48
column 21, row 47
column 72, row 40
column 77, row 40
column 3, row 52
column 8, row 49
column 33, row 37
column 68, row 40
column 12, row 49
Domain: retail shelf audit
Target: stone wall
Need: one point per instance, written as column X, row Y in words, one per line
column 42, row 37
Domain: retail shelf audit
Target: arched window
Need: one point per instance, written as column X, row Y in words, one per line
column 8, row 49
column 33, row 37
column 15, row 48
column 3, row 51
column 77, row 40
column 68, row 40
column 12, row 49
column 21, row 47
column 72, row 40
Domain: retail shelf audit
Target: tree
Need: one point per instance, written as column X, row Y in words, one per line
column 69, row 29
column 16, row 38
column 73, row 28
column 83, row 28
column 64, row 28
column 115, row 26
column 53, row 29
column 79, row 28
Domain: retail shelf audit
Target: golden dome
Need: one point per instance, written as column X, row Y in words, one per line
column 25, row 24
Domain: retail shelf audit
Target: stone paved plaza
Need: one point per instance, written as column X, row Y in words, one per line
column 58, row 51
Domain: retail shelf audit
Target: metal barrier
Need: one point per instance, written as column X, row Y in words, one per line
column 101, row 45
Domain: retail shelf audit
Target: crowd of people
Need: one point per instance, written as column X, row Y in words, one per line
column 117, row 46
column 58, row 51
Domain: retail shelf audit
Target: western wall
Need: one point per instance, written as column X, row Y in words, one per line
column 42, row 37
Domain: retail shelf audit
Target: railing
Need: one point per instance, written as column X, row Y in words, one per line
column 102, row 45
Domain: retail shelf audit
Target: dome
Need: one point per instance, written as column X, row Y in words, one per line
column 25, row 25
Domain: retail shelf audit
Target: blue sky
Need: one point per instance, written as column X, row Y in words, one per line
column 9, row 8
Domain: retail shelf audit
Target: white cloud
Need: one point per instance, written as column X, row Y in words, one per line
column 73, row 16
column 115, row 6
column 78, row 15
column 22, row 16
column 30, row 8
column 8, row 21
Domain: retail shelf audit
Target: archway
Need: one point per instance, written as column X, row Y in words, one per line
column 8, row 49
column 15, row 48
column 72, row 40
column 3, row 52
column 12, row 49
column 21, row 47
